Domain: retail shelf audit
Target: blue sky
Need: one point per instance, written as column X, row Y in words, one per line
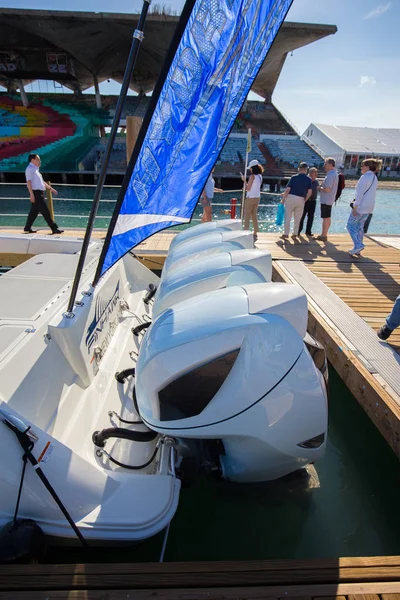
column 351, row 78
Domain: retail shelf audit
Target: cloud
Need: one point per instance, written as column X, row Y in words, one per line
column 367, row 80
column 378, row 11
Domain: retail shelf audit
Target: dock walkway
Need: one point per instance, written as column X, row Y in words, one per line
column 371, row 578
column 348, row 300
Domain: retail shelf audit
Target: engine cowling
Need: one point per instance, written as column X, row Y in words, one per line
column 231, row 365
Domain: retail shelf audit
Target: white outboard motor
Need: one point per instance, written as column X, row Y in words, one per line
column 230, row 369
column 209, row 227
column 212, row 272
column 208, row 243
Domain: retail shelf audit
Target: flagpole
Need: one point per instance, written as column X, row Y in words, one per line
column 184, row 18
column 248, row 149
column 136, row 43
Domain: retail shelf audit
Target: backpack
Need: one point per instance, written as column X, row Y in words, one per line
column 340, row 186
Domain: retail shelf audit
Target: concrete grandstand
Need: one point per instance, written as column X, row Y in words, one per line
column 68, row 130
column 351, row 145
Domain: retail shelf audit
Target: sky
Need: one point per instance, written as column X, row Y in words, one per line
column 350, row 78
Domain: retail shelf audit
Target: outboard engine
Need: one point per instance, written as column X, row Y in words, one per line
column 230, row 368
column 209, row 227
column 208, row 243
column 212, row 272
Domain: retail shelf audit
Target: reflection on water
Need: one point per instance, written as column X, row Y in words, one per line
column 346, row 506
column 385, row 219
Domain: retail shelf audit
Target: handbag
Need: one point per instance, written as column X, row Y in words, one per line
column 280, row 215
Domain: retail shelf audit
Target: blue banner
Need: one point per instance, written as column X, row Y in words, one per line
column 222, row 48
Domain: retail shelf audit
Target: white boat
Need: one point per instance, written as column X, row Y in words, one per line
column 228, row 368
column 113, row 408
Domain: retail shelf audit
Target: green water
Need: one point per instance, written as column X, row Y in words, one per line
column 349, row 507
column 69, row 202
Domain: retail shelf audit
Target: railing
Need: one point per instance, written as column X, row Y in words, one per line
column 224, row 206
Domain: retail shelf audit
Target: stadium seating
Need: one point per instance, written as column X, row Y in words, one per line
column 62, row 132
column 65, row 131
column 271, row 166
column 292, row 150
column 234, row 152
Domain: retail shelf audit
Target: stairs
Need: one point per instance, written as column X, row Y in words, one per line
column 271, row 167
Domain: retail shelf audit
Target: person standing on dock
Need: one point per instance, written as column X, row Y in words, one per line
column 364, row 203
column 206, row 198
column 328, row 195
column 392, row 321
column 311, row 203
column 297, row 192
column 36, row 186
column 253, row 195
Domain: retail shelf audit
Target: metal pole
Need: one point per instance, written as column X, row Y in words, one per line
column 245, row 175
column 137, row 40
column 50, row 201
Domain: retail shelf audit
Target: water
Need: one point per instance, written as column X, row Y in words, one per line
column 385, row 220
column 349, row 507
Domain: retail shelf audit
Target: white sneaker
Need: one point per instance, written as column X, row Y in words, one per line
column 356, row 250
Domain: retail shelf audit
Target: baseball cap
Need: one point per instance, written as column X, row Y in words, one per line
column 303, row 165
column 253, row 163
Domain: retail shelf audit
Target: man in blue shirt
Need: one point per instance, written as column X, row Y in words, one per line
column 297, row 192
column 328, row 195
column 309, row 207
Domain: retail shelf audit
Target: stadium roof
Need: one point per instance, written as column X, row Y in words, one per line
column 98, row 44
column 363, row 140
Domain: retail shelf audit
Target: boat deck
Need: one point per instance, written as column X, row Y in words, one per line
column 349, row 299
column 372, row 578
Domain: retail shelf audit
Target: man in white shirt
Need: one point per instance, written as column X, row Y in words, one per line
column 327, row 196
column 36, row 187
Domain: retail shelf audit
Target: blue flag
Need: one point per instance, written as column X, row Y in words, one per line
column 222, row 48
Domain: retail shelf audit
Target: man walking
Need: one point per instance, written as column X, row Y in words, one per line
column 328, row 194
column 297, row 192
column 311, row 203
column 36, row 187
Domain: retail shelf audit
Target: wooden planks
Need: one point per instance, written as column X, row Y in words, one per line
column 8, row 259
column 359, row 578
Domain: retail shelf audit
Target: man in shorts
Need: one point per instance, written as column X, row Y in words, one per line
column 327, row 196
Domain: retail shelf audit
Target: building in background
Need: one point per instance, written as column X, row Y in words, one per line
column 349, row 146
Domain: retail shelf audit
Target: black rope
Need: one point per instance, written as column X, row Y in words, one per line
column 133, row 467
column 27, row 445
column 21, row 483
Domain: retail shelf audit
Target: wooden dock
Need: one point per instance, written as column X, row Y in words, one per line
column 372, row 578
column 348, row 299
